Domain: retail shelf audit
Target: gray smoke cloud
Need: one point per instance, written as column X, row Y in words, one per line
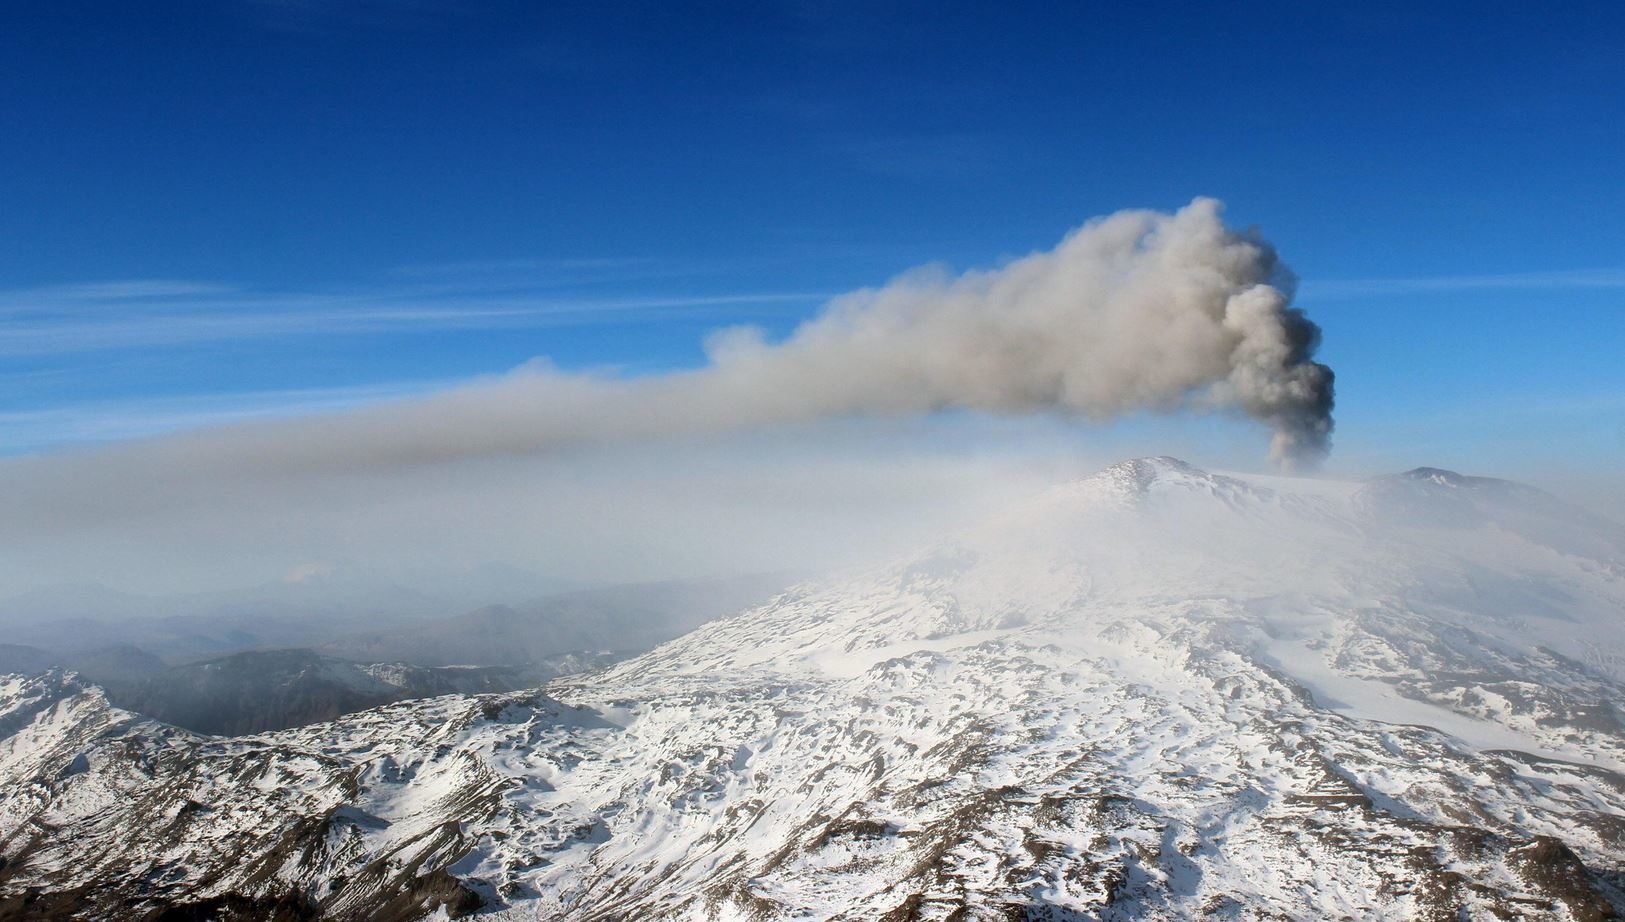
column 1137, row 311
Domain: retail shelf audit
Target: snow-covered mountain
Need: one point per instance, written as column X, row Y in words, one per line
column 1156, row 693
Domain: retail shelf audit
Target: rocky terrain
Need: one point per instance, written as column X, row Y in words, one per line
column 1158, row 693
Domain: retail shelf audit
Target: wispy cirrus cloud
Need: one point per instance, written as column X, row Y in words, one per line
column 95, row 421
column 119, row 291
column 562, row 269
column 1529, row 281
column 138, row 314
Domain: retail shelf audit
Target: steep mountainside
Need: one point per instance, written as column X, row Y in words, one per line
column 1158, row 693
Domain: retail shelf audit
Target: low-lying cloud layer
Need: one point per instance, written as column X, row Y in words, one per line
column 1139, row 311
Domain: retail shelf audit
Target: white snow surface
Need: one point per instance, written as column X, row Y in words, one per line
column 1156, row 693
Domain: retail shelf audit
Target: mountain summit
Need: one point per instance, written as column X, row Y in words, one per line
column 1155, row 693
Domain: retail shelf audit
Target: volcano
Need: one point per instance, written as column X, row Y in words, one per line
column 1155, row 693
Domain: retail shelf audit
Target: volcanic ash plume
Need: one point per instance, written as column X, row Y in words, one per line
column 1137, row 311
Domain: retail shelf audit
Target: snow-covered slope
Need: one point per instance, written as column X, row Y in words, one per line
column 1155, row 693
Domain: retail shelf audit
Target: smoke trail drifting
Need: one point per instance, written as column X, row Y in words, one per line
column 1137, row 311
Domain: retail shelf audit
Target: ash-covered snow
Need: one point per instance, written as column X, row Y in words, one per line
column 1154, row 693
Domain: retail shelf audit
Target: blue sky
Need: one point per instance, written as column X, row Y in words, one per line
column 228, row 208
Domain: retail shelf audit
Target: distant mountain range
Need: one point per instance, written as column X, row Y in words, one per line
column 262, row 690
column 295, row 612
column 70, row 620
column 493, row 649
column 629, row 618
